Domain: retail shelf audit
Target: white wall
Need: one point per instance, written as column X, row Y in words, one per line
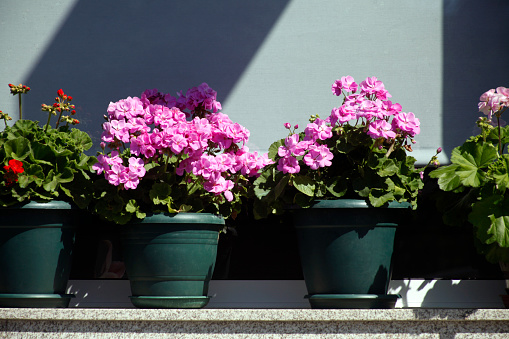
column 270, row 61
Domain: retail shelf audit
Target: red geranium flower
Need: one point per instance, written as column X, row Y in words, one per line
column 16, row 166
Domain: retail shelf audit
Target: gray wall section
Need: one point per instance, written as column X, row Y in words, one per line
column 475, row 54
column 270, row 61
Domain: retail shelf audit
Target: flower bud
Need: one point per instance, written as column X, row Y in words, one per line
column 287, row 125
column 439, row 150
column 296, row 126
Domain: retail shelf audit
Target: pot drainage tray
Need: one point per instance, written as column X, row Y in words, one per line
column 170, row 302
column 353, row 300
column 35, row 300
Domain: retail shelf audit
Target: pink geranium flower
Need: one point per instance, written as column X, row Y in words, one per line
column 381, row 129
column 407, row 123
column 288, row 164
column 318, row 156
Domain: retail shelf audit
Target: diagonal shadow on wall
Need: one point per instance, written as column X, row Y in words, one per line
column 108, row 50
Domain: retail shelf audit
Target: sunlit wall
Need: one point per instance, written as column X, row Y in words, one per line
column 270, row 61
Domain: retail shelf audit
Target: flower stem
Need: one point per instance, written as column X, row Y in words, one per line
column 19, row 99
column 59, row 117
column 391, row 148
column 499, row 137
column 47, row 124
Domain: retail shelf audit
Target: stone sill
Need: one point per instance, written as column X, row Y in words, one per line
column 254, row 323
column 254, row 315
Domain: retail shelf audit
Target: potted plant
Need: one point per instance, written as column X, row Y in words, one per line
column 474, row 187
column 347, row 177
column 44, row 179
column 174, row 169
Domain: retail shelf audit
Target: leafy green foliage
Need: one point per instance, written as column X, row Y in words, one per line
column 54, row 164
column 475, row 187
column 360, row 169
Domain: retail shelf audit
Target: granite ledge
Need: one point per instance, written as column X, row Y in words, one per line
column 255, row 315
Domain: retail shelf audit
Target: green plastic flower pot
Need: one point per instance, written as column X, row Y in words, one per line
column 346, row 251
column 36, row 244
column 170, row 259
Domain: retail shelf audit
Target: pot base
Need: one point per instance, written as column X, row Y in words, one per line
column 366, row 301
column 170, row 302
column 35, row 300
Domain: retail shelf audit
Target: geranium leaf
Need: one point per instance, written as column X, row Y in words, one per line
column 281, row 186
column 501, row 172
column 81, row 139
column 42, row 154
column 160, row 194
column 17, row 148
column 471, row 159
column 387, row 167
column 337, row 186
column 491, row 218
column 448, row 180
column 274, row 147
column 378, row 197
column 304, row 184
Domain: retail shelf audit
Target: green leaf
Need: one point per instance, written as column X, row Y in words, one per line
column 448, row 180
column 33, row 173
column 304, row 184
column 273, row 149
column 42, row 154
column 361, row 188
column 160, row 194
column 491, row 218
column 185, row 208
column 337, row 186
column 52, row 181
column 133, row 208
column 472, row 158
column 150, row 165
column 303, row 200
column 387, row 167
column 81, row 139
column 280, row 186
column 501, row 172
column 17, row 148
column 378, row 197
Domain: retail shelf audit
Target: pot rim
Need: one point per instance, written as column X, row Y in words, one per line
column 355, row 203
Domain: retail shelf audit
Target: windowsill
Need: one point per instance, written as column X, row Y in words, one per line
column 254, row 323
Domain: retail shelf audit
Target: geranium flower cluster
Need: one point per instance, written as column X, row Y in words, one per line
column 365, row 105
column 205, row 144
column 494, row 102
column 62, row 104
column 12, row 170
